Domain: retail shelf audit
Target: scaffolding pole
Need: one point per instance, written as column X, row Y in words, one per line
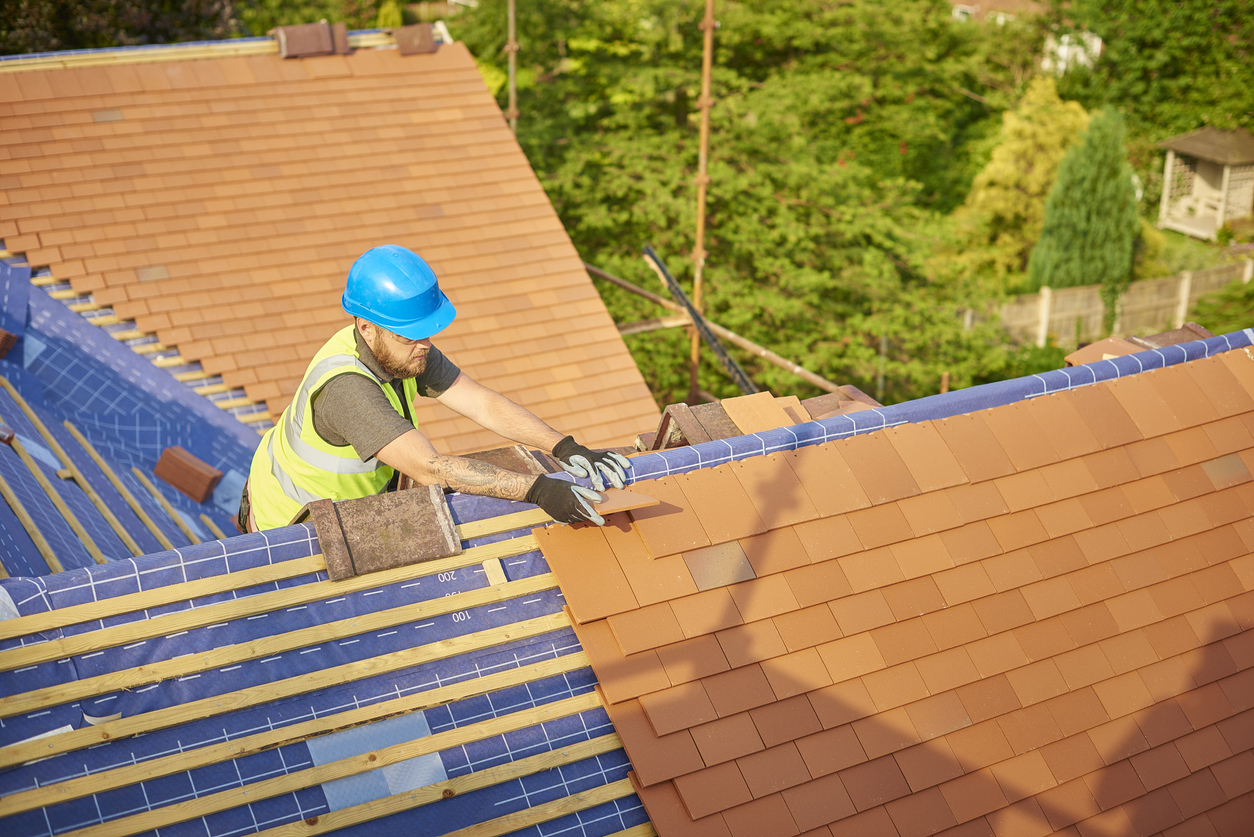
column 702, row 181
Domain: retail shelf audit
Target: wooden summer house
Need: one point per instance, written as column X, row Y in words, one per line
column 1208, row 181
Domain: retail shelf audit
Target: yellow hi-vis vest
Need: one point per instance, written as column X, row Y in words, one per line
column 293, row 465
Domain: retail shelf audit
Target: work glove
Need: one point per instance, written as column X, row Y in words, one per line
column 564, row 501
column 593, row 464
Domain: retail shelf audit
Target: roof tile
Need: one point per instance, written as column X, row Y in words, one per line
column 588, row 571
column 652, row 579
column 947, row 670
column 1024, row 490
column 1029, row 728
column 817, row 803
column 1229, row 435
column 874, row 783
column 1105, row 416
column 648, row 627
column 692, row 659
column 727, row 738
column 785, row 720
column 872, row 823
column 972, row 542
column 988, row 698
column 878, row 467
column 773, row 488
column 738, row 690
column 773, row 770
column 1203, row 748
column 774, row 551
column 678, row 707
column 818, row 583
column 796, row 673
column 706, row 612
column 1159, row 766
column 719, row 565
column 828, row 479
column 763, row 598
column 807, row 627
column 711, row 790
column 1014, row 531
column 977, row 501
column 926, row 455
column 923, row 556
column 1023, row 819
column 928, row 513
column 893, row 687
column 770, row 813
column 938, row 715
column 975, row 447
column 721, row 504
column 979, row 745
column 862, row 612
column 954, row 626
column 664, row 528
column 751, row 643
column 1003, row 611
column 902, row 641
column 880, row 525
column 872, row 569
column 668, row 815
column 1021, row 435
column 1045, row 639
column 654, row 758
column 827, row 538
column 973, row 795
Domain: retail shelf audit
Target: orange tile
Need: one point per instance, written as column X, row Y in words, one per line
column 774, row 490
column 880, row 525
column 874, row 783
column 818, row 583
column 841, row 703
column 828, row 479
column 978, row 501
column 928, row 513
column 785, row 720
column 1128, row 651
column 954, row 626
column 773, row 770
column 1197, row 793
column 677, row 708
column 1023, row 819
column 979, row 745
column 850, row 657
column 727, row 738
column 947, row 670
column 1111, row 467
column 831, row 750
column 1003, row 611
column 796, row 673
column 585, row 565
column 902, row 641
column 1159, row 766
column 721, row 504
column 1153, row 812
column 1203, row 748
column 738, row 690
column 807, row 627
column 922, row 556
column 769, row 812
column 1029, row 728
column 878, row 467
column 1068, row 479
column 1084, row 666
column 929, row 460
column 669, row 816
column 972, row 542
column 886, row 732
column 1090, row 624
column 706, row 612
column 669, row 527
column 963, row 584
column 755, row 413
column 862, row 612
column 996, row 654
column 827, row 538
column 750, row 643
column 646, row 628
column 871, row 569
column 1021, row 435
column 652, row 579
column 621, row 678
column 872, row 823
column 988, row 698
column 719, row 565
column 654, row 759
column 774, row 551
column 711, row 790
column 1012, row 569
column 1096, row 583
column 1015, row 531
column 763, row 598
column 815, row 804
column 914, row 598
column 973, row 795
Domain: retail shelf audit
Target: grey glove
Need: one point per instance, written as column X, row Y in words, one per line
column 596, row 465
column 564, row 501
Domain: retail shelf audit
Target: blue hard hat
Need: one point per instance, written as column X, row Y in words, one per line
column 393, row 287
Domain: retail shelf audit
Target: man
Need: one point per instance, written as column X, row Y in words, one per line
column 349, row 430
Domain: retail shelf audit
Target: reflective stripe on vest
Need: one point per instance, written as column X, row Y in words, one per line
column 295, row 425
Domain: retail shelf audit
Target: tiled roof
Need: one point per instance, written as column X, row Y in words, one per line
column 218, row 203
column 1019, row 621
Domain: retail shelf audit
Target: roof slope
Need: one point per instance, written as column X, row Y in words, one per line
column 219, row 203
column 1209, row 143
column 1023, row 620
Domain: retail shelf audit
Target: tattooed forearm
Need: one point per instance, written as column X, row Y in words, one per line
column 470, row 476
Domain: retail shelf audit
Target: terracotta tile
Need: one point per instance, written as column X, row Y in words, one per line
column 1175, row 596
column 785, row 720
column 872, row 569
column 954, row 626
column 1090, row 624
column 928, row 764
column 1096, row 584
column 727, row 738
column 895, row 686
column 1021, row 436
column 938, row 715
column 1164, row 721
column 988, row 698
column 947, row 670
column 1104, row 415
column 770, row 813
column 828, row 479
column 972, row 542
column 669, row 816
column 1229, row 435
column 1235, row 774
column 902, row 641
column 1171, row 637
column 862, row 612
column 667, row 813
column 1220, row 509
column 1221, row 545
column 755, row 413
column 1127, row 652
column 648, row 627
column 1024, row 490
column 1189, row 482
column 872, row 823
column 718, row 566
column 831, row 750
column 818, row 583
column 1077, row 711
column 1203, row 748
column 678, row 707
column 1111, row 467
column 1118, row 739
column 1167, row 679
column 1102, row 543
column 1231, row 817
column 594, row 584
column 850, row 657
column 706, row 612
column 975, row 447
column 1217, row 382
column 1133, row 610
column 721, row 504
column 817, row 803
column 1045, row 639
column 773, row 770
column 745, row 644
column 621, row 677
column 1154, row 812
column 1037, row 682
column 796, row 673
column 996, row 654
column 963, row 584
column 711, row 790
column 874, row 783
column 774, row 489
column 977, row 501
column 1205, row 705
column 1023, row 819
column 922, row 556
column 879, row 469
column 828, row 538
column 926, row 455
column 763, row 598
column 1159, row 766
column 1050, row 597
column 1191, row 446
column 669, row 527
column 1197, row 793
column 692, row 659
column 1152, row 415
column 807, row 627
column 774, row 551
column 654, row 759
column 880, row 526
column 1058, row 556
column 979, row 745
column 1029, row 728
column 928, row 513
column 973, row 795
column 738, row 690
column 1003, row 611
column 1107, row 506
column 1068, row 479
column 921, row 813
column 1015, row 531
column 1067, row 803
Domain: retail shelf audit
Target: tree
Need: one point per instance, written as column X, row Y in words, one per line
column 50, row 25
column 1004, row 212
column 1091, row 220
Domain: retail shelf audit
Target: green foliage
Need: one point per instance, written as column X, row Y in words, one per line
column 1003, row 214
column 390, row 15
column 1091, row 220
column 49, row 25
column 841, row 136
column 260, row 16
column 1229, row 309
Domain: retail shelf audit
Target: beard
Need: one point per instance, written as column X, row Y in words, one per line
column 396, row 365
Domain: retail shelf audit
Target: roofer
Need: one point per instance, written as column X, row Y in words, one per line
column 350, row 430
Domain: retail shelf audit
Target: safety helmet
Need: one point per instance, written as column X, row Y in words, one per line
column 393, row 287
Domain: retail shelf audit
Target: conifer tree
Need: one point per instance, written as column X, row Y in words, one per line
column 1091, row 220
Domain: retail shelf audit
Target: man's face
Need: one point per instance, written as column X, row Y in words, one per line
column 400, row 357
